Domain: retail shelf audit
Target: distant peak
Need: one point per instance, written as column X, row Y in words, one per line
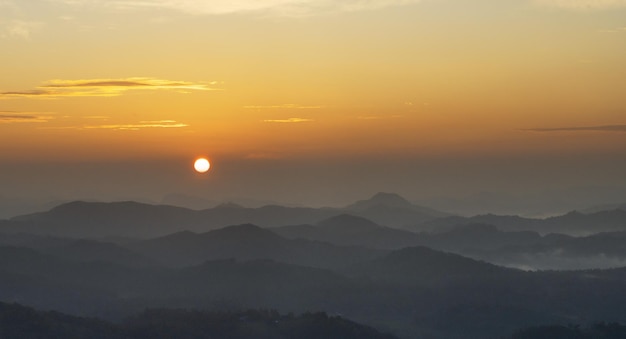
column 388, row 197
column 384, row 199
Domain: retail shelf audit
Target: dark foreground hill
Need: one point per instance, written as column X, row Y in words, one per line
column 413, row 293
column 600, row 330
column 19, row 322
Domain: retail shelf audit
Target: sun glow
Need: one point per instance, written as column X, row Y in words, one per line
column 201, row 165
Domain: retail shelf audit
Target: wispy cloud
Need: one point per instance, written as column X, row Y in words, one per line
column 613, row 30
column 8, row 117
column 301, row 7
column 604, row 128
column 140, row 125
column 129, row 127
column 284, row 106
column 582, row 4
column 280, row 7
column 18, row 29
column 105, row 87
column 289, row 120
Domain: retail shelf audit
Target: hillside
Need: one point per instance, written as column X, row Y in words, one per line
column 249, row 242
column 348, row 230
column 18, row 322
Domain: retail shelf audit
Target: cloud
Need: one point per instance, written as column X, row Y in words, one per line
column 613, row 30
column 583, row 4
column 130, row 127
column 8, row 117
column 105, row 87
column 284, row 106
column 18, row 29
column 290, row 120
column 140, row 125
column 216, row 7
column 30, row 93
column 605, row 128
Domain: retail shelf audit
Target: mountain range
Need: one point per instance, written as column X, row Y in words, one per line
column 411, row 292
column 113, row 260
column 17, row 322
column 133, row 219
column 248, row 242
column 573, row 223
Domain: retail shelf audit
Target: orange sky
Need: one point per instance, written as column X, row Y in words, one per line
column 101, row 81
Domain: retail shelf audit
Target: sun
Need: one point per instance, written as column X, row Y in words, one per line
column 201, row 165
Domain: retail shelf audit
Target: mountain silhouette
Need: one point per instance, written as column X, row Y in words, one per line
column 349, row 230
column 98, row 219
column 86, row 251
column 422, row 265
column 37, row 242
column 579, row 223
column 478, row 236
column 392, row 210
column 381, row 198
column 411, row 291
column 605, row 207
column 573, row 223
column 187, row 201
column 18, row 321
column 502, row 222
column 248, row 242
column 81, row 219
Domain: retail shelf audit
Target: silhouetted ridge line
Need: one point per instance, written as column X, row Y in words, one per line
column 387, row 199
column 249, row 231
column 19, row 322
column 421, row 265
column 348, row 221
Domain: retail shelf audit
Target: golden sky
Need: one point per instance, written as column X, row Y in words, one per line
column 102, row 80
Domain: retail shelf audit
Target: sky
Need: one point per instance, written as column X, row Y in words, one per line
column 313, row 102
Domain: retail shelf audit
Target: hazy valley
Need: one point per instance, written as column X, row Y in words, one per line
column 383, row 262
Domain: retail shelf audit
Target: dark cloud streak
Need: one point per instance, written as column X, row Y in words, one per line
column 15, row 116
column 105, row 87
column 26, row 93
